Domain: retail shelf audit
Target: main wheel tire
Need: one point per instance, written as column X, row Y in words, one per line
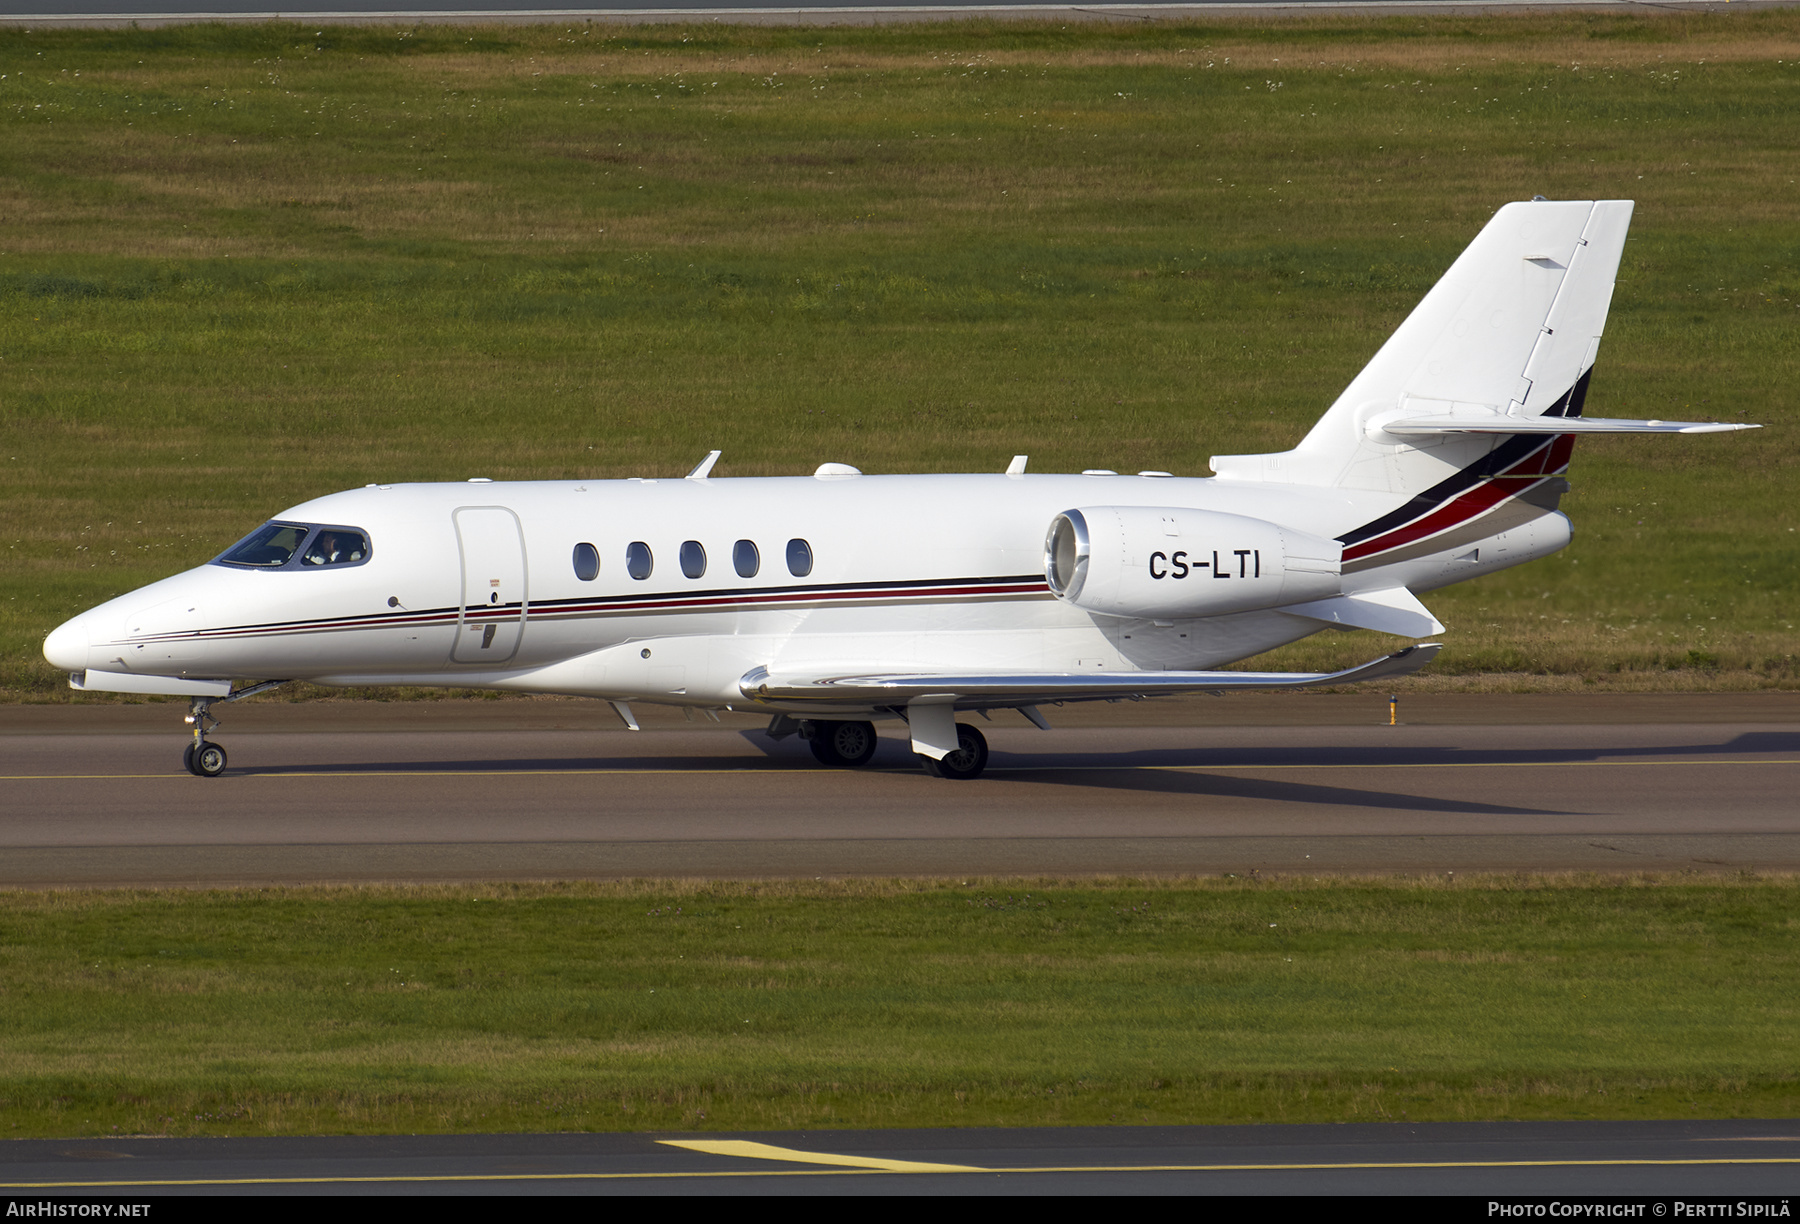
column 843, row 745
column 208, row 760
column 968, row 761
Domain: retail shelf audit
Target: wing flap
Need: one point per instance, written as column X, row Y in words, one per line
column 1021, row 688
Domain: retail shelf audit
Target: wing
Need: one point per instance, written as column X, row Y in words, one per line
column 973, row 691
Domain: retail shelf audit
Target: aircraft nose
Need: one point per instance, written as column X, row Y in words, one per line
column 67, row 646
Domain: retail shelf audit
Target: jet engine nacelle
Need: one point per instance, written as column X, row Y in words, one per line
column 1169, row 562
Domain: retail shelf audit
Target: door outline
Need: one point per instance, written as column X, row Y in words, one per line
column 490, row 625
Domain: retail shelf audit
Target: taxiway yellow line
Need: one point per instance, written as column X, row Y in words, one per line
column 853, row 1166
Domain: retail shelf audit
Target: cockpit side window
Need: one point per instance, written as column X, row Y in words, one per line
column 270, row 546
column 276, row 546
column 336, row 546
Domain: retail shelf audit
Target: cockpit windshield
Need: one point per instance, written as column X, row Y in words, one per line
column 297, row 546
column 270, row 546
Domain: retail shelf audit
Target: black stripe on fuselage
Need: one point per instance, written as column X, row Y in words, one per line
column 1496, row 461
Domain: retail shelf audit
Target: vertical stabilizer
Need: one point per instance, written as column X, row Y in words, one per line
column 1512, row 328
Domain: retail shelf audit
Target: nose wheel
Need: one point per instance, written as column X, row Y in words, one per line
column 205, row 760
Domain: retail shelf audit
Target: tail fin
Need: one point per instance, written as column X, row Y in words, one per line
column 1505, row 339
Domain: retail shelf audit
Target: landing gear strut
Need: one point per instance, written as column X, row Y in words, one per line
column 203, row 758
column 843, row 745
column 969, row 759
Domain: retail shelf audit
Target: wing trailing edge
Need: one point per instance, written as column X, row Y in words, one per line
column 1022, row 688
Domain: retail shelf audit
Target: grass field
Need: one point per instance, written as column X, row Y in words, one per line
column 243, row 266
column 647, row 1006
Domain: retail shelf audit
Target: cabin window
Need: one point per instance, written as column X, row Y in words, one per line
column 745, row 559
column 336, row 546
column 270, row 546
column 799, row 558
column 693, row 559
column 587, row 562
column 638, row 561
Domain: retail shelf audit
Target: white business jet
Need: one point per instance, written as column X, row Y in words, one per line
column 836, row 600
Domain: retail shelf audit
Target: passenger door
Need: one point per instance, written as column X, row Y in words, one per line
column 491, row 619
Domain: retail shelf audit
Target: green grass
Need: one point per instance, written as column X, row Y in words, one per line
column 720, row 1006
column 241, row 266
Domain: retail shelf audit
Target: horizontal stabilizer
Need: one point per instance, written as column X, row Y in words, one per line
column 1500, row 423
column 1025, row 688
column 1397, row 611
column 168, row 686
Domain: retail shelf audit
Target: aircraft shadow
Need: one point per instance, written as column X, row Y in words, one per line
column 1199, row 785
column 1202, row 757
column 1164, row 771
column 1124, row 777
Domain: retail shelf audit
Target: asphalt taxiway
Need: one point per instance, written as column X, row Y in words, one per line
column 1731, row 1159
column 537, row 790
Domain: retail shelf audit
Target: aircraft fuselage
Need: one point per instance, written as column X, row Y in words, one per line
column 477, row 584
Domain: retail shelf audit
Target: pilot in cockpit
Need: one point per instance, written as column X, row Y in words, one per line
column 334, row 548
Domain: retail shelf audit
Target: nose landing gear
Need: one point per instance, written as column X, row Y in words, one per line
column 203, row 758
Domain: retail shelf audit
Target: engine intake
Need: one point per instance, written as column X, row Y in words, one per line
column 1173, row 562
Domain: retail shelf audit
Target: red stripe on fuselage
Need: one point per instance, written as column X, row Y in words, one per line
column 1514, row 481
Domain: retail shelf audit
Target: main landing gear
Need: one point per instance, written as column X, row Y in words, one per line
column 841, row 745
column 203, row 758
column 967, row 762
column 851, row 745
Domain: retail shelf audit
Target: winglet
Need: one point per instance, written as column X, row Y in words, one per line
column 706, row 466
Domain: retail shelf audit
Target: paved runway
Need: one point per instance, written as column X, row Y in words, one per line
column 1734, row 1159
column 480, row 790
